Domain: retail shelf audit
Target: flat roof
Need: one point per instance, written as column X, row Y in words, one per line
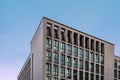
column 76, row 30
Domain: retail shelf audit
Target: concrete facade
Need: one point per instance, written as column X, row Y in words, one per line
column 80, row 56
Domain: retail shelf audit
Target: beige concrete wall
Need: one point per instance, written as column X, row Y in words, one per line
column 109, row 62
column 37, row 51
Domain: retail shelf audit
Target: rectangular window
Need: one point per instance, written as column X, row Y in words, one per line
column 97, row 68
column 97, row 77
column 102, row 70
column 69, row 49
column 75, row 62
column 86, row 55
column 115, row 63
column 62, row 59
column 115, row 73
column 69, row 36
column 63, row 34
column 102, row 59
column 92, row 56
column 91, row 76
column 92, row 67
column 102, row 77
column 48, row 43
column 69, row 73
column 80, row 75
column 75, row 77
column 92, row 44
column 75, row 39
column 55, row 70
column 81, row 53
column 87, row 43
column 75, row 51
column 48, row 78
column 48, row 56
column 69, row 61
column 86, row 65
column 56, row 32
column 102, row 48
column 62, row 71
column 48, row 68
column 81, row 41
column 118, row 74
column 48, row 29
column 97, row 58
column 62, row 47
column 56, row 58
column 56, row 45
column 119, row 65
column 97, row 46
column 55, row 78
column 81, row 64
column 86, row 76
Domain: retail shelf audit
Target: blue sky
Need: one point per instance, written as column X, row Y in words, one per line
column 19, row 20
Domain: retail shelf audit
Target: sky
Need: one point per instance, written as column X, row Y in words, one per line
column 19, row 20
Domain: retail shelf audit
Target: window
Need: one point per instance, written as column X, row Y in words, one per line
column 56, row 32
column 92, row 56
column 86, row 65
column 75, row 62
column 63, row 34
column 86, row 55
column 115, row 63
column 97, row 58
column 81, row 53
column 55, row 78
column 48, row 29
column 48, row 56
column 118, row 74
column 92, row 67
column 92, row 77
column 102, row 59
column 102, row 48
column 48, row 68
column 69, row 61
column 102, row 70
column 97, row 46
column 75, row 51
column 62, row 71
column 92, row 44
column 56, row 44
column 86, row 76
column 55, row 70
column 75, row 38
column 48, row 78
column 97, row 68
column 69, row 49
column 80, row 75
column 56, row 58
column 115, row 73
column 62, row 59
column 87, row 43
column 81, row 41
column 81, row 64
column 75, row 77
column 69, row 73
column 69, row 36
column 102, row 77
column 97, row 77
column 48, row 43
column 62, row 47
column 119, row 65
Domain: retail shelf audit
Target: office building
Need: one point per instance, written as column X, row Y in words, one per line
column 59, row 52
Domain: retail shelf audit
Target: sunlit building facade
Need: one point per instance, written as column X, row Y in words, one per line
column 59, row 52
